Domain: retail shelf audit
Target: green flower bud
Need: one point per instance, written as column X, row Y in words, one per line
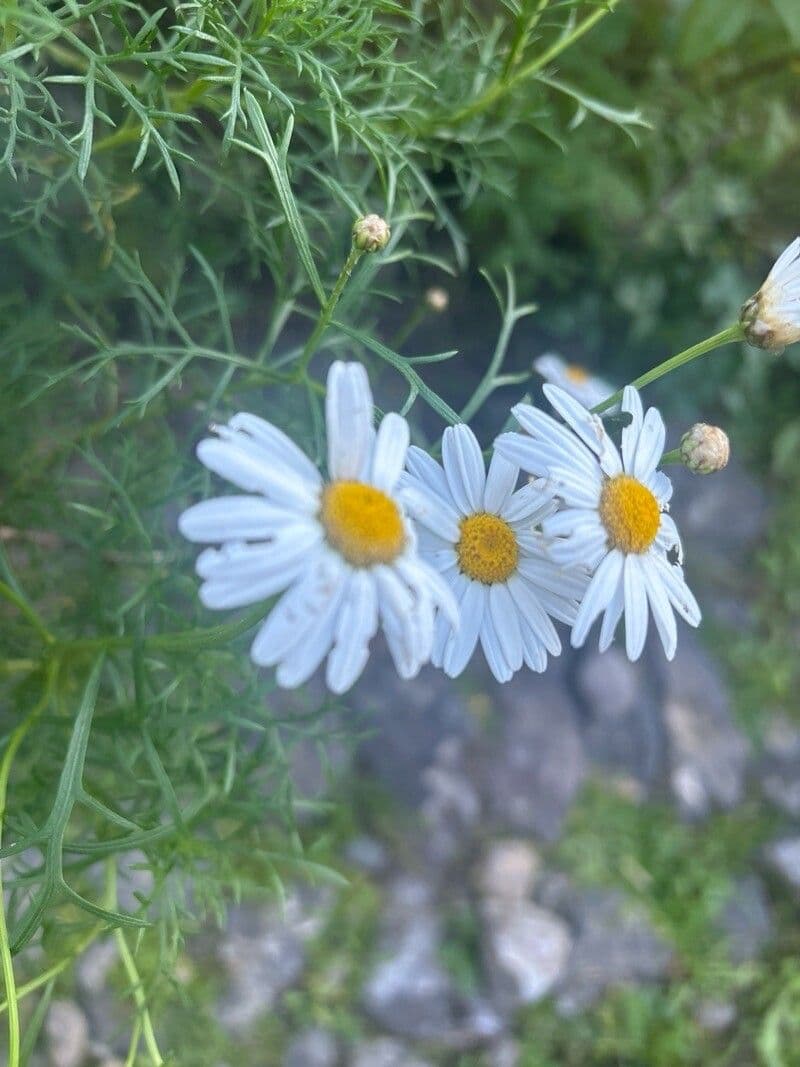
column 371, row 233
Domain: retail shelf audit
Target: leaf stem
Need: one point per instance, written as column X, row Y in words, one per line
column 25, row 608
column 717, row 340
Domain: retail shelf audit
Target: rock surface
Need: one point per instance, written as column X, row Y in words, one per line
column 526, row 950
column 67, row 1034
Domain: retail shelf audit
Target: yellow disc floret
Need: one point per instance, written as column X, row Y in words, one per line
column 362, row 523
column 576, row 373
column 487, row 549
column 630, row 514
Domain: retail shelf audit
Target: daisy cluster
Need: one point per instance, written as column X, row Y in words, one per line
column 441, row 556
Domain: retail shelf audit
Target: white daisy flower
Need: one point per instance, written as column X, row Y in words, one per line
column 613, row 518
column 771, row 318
column 343, row 550
column 479, row 531
column 587, row 388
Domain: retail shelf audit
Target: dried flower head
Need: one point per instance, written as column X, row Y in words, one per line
column 771, row 318
column 705, row 449
column 371, row 233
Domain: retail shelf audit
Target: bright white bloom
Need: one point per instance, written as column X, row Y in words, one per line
column 771, row 318
column 574, row 379
column 343, row 550
column 613, row 517
column 479, row 531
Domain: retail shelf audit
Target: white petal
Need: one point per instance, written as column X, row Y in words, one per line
column 241, row 465
column 661, row 608
column 236, row 562
column 557, row 437
column 529, row 607
column 636, row 615
column 650, row 448
column 276, row 444
column 573, row 487
column 355, row 628
column 501, row 481
column 432, row 512
column 464, row 468
column 544, row 574
column 298, row 610
column 389, row 452
column 597, row 596
column 304, row 657
column 233, row 518
column 503, row 613
column 613, row 614
column 678, row 592
column 587, row 426
column 461, row 645
column 660, row 486
column 493, row 651
column 785, row 261
column 246, row 574
column 530, row 504
column 348, row 419
column 668, row 539
column 425, row 468
column 632, row 404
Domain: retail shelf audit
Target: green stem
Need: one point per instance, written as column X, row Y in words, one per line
column 505, row 83
column 181, row 641
column 6, row 962
column 673, row 456
column 326, row 314
column 25, row 608
column 137, row 986
column 724, row 337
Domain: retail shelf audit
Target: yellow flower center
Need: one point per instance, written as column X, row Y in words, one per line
column 577, row 374
column 630, row 514
column 487, row 549
column 362, row 523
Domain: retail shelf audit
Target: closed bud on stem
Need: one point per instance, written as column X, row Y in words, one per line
column 771, row 318
column 437, row 298
column 371, row 233
column 705, row 449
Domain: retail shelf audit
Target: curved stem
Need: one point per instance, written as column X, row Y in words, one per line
column 326, row 314
column 724, row 337
column 25, row 608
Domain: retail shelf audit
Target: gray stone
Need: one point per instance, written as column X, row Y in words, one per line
column 451, row 806
column 368, row 855
column 784, row 857
column 407, row 723
column 615, row 944
column 108, row 1020
column 622, row 725
column 745, row 920
column 508, row 870
column 384, row 1052
column 67, row 1034
column 316, row 1047
column 714, row 1015
column 609, row 683
column 408, row 991
column 263, row 954
column 708, row 752
column 534, row 765
column 505, row 1054
column 779, row 770
column 526, row 950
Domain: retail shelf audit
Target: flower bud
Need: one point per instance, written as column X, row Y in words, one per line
column 371, row 233
column 705, row 449
column 437, row 299
column 771, row 318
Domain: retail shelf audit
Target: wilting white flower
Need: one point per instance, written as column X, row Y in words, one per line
column 479, row 531
column 771, row 318
column 343, row 550
column 613, row 518
column 587, row 388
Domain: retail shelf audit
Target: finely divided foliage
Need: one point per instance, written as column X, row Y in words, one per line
column 178, row 188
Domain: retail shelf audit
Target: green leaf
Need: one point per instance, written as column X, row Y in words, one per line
column 709, row 26
column 789, row 12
